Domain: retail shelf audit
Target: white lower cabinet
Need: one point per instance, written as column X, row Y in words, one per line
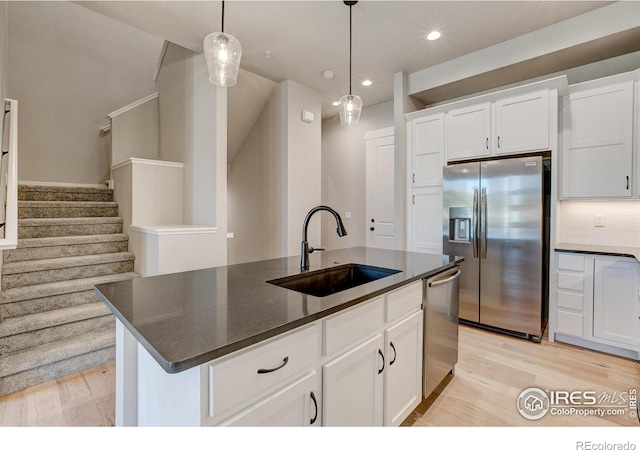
column 353, row 386
column 295, row 405
column 597, row 302
column 403, row 373
column 379, row 381
column 616, row 301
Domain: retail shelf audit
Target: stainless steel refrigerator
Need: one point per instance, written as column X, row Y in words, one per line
column 496, row 215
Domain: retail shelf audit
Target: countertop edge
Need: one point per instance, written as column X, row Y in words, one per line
column 605, row 250
column 180, row 366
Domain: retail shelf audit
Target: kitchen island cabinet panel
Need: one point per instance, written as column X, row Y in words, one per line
column 353, row 386
column 295, row 405
column 403, row 377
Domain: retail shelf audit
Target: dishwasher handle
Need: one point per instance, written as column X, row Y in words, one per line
column 440, row 282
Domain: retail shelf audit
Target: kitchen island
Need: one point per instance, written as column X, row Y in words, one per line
column 180, row 338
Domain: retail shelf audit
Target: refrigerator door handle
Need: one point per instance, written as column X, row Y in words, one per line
column 483, row 214
column 475, row 222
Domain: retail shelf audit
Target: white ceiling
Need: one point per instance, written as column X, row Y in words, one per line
column 305, row 37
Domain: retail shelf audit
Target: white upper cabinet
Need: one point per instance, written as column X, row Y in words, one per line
column 469, row 132
column 597, row 154
column 426, row 140
column 504, row 126
column 522, row 123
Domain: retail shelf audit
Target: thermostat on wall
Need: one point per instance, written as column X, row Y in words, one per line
column 307, row 116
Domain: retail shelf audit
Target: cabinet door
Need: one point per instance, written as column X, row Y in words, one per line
column 468, row 132
column 615, row 301
column 427, row 150
column 294, row 405
column 426, row 220
column 403, row 380
column 522, row 123
column 597, row 155
column 352, row 386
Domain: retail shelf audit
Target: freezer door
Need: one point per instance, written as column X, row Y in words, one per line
column 510, row 235
column 461, row 183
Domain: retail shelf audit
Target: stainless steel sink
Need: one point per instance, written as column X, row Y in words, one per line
column 321, row 283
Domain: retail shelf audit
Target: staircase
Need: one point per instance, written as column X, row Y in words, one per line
column 51, row 322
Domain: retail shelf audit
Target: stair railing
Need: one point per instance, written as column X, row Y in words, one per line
column 9, row 176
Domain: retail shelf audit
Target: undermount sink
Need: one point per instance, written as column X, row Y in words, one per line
column 321, row 283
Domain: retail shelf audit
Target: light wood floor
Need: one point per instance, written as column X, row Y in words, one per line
column 492, row 371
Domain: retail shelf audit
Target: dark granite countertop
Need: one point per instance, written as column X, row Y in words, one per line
column 186, row 319
column 630, row 252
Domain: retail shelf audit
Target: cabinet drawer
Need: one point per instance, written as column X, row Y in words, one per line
column 571, row 300
column 572, row 281
column 354, row 324
column 403, row 301
column 237, row 379
column 570, row 323
column 571, row 262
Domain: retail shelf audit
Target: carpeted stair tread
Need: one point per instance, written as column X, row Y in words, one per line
column 55, row 370
column 36, row 228
column 70, row 240
column 65, row 246
column 49, row 303
column 38, row 321
column 62, row 263
column 64, row 193
column 53, row 221
column 60, row 287
column 60, row 209
column 52, row 352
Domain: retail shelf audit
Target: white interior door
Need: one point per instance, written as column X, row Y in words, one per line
column 380, row 209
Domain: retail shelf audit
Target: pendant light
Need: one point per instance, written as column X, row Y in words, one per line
column 222, row 53
column 349, row 106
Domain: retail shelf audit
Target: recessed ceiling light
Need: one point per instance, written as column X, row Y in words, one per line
column 433, row 35
column 335, row 103
column 367, row 83
column 328, row 74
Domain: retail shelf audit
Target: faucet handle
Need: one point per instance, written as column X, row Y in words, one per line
column 311, row 249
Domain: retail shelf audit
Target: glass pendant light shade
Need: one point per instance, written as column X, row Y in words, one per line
column 222, row 53
column 349, row 108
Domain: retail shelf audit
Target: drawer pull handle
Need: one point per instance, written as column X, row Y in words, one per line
column 315, row 403
column 284, row 363
column 380, row 371
column 395, row 354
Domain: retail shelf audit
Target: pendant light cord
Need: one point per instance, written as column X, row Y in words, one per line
column 222, row 16
column 350, row 46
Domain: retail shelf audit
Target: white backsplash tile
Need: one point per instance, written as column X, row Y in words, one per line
column 575, row 220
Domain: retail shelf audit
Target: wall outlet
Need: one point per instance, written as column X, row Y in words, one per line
column 347, row 215
column 598, row 220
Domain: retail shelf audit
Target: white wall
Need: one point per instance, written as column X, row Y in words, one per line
column 344, row 175
column 4, row 48
column 304, row 164
column 134, row 131
column 275, row 178
column 255, row 203
column 69, row 68
column 193, row 128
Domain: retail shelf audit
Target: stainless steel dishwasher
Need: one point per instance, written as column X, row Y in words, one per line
column 441, row 303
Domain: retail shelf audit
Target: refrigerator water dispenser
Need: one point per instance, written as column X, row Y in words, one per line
column 460, row 224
